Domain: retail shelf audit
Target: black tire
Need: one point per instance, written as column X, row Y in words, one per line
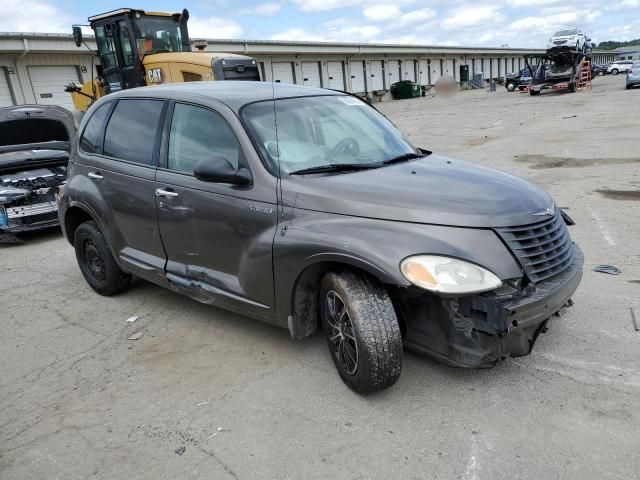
column 615, row 71
column 96, row 262
column 534, row 92
column 358, row 318
column 572, row 87
column 511, row 86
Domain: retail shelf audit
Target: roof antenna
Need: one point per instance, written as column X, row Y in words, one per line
column 279, row 196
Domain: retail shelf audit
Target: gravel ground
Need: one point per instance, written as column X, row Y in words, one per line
column 77, row 399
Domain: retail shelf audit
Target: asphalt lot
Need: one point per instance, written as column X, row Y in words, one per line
column 79, row 400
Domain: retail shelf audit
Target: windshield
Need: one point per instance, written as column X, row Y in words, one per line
column 157, row 35
column 325, row 130
column 564, row 33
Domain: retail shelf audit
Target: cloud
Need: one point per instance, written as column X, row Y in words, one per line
column 34, row 16
column 379, row 13
column 551, row 23
column 297, row 34
column 351, row 33
column 214, row 27
column 267, row 9
column 467, row 16
column 416, row 16
column 322, row 5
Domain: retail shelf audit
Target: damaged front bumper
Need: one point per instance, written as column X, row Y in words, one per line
column 478, row 331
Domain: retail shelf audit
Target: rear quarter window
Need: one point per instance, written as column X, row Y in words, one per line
column 132, row 130
column 91, row 140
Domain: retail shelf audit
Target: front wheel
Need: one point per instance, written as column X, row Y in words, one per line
column 615, row 71
column 511, row 86
column 361, row 330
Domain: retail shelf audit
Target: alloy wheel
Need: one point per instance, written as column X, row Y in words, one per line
column 340, row 333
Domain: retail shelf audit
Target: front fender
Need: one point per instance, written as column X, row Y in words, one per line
column 375, row 246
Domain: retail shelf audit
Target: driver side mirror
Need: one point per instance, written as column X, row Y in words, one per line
column 219, row 170
column 77, row 36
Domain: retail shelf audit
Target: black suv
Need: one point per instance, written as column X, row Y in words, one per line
column 304, row 207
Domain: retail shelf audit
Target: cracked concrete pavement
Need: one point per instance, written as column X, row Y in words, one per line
column 79, row 400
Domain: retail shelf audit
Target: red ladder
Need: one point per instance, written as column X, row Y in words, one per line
column 584, row 79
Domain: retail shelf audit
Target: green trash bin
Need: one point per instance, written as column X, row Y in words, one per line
column 405, row 89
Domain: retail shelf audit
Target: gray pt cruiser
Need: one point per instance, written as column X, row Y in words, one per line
column 304, row 207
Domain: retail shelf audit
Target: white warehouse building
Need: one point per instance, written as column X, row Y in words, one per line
column 35, row 67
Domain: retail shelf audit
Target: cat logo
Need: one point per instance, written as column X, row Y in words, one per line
column 154, row 75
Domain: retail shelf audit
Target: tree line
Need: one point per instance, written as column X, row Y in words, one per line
column 611, row 44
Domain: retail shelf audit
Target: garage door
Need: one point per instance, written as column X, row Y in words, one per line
column 311, row 74
column 5, row 93
column 409, row 70
column 377, row 75
column 283, row 72
column 336, row 75
column 394, row 71
column 357, row 77
column 450, row 68
column 423, row 72
column 48, row 84
column 436, row 70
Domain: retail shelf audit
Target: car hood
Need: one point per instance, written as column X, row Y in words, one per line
column 36, row 127
column 431, row 190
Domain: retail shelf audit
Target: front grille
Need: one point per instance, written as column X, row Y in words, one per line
column 544, row 249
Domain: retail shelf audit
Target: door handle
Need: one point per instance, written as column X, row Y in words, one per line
column 95, row 175
column 165, row 193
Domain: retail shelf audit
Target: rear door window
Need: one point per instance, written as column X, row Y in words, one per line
column 133, row 130
column 199, row 134
column 91, row 141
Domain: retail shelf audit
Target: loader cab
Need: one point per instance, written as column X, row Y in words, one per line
column 124, row 37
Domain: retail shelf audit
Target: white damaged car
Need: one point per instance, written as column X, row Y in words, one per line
column 571, row 39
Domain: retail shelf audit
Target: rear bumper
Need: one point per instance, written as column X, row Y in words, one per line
column 480, row 330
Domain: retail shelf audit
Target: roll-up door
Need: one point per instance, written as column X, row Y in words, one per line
column 5, row 92
column 336, row 75
column 423, row 72
column 436, row 70
column 283, row 72
column 450, row 67
column 48, row 84
column 357, row 77
column 394, row 71
column 311, row 74
column 494, row 68
column 377, row 75
column 409, row 70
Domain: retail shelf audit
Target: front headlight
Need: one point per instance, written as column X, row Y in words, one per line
column 447, row 275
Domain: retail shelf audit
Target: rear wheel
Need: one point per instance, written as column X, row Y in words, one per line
column 615, row 71
column 361, row 330
column 96, row 262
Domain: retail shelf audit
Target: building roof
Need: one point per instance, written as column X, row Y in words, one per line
column 282, row 47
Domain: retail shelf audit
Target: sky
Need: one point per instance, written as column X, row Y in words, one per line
column 495, row 23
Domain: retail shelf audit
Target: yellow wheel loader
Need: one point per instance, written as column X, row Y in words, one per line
column 138, row 48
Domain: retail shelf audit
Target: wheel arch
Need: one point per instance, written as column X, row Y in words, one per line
column 74, row 216
column 303, row 314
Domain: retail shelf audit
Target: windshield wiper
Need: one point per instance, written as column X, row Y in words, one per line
column 403, row 158
column 335, row 167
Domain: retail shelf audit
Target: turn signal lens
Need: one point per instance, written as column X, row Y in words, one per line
column 448, row 275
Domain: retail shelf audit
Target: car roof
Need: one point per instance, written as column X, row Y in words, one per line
column 235, row 94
